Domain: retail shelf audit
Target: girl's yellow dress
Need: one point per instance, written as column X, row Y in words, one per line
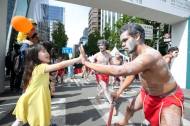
column 34, row 106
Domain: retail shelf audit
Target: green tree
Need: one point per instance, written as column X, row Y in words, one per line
column 125, row 19
column 107, row 32
column 59, row 36
column 112, row 35
column 91, row 47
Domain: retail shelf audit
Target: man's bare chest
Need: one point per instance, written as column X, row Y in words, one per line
column 103, row 59
column 148, row 76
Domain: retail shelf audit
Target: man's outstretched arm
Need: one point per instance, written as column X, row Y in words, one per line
column 134, row 67
column 139, row 64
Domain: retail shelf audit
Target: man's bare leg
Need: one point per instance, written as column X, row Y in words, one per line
column 106, row 91
column 107, row 95
column 171, row 116
column 135, row 105
column 99, row 90
column 99, row 93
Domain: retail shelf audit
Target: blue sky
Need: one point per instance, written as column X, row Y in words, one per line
column 76, row 19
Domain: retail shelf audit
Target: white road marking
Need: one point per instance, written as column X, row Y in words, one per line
column 58, row 101
column 58, row 109
column 100, row 107
column 7, row 104
column 77, row 82
column 2, row 112
column 186, row 122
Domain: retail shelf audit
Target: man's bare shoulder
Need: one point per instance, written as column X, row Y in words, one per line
column 152, row 53
column 148, row 58
column 141, row 63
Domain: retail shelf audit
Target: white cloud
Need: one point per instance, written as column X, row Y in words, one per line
column 76, row 19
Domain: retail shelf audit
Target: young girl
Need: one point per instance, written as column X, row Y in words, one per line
column 34, row 106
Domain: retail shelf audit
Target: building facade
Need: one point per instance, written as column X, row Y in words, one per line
column 99, row 19
column 84, row 38
column 108, row 18
column 94, row 20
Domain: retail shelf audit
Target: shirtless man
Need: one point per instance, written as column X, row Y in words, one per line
column 117, row 60
column 160, row 96
column 172, row 53
column 102, row 57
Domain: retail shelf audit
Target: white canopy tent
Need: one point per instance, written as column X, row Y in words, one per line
column 114, row 50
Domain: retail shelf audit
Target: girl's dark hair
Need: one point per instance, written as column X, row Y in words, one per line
column 31, row 60
column 48, row 46
column 133, row 29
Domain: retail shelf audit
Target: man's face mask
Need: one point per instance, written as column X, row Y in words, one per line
column 131, row 45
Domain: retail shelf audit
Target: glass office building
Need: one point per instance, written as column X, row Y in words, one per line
column 52, row 15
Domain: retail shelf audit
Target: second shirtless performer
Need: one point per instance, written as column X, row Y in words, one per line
column 102, row 57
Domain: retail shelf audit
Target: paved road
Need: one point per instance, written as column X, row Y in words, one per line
column 74, row 104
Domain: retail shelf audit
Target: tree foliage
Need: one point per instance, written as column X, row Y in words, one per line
column 59, row 36
column 91, row 48
column 113, row 36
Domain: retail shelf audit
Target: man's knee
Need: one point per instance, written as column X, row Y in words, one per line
column 171, row 116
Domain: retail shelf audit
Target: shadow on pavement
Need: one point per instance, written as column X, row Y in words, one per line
column 7, row 119
column 65, row 95
column 79, row 118
column 81, row 102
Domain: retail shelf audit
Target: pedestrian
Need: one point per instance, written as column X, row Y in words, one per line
column 34, row 105
column 14, row 62
column 8, row 63
column 172, row 53
column 117, row 60
column 31, row 39
column 160, row 96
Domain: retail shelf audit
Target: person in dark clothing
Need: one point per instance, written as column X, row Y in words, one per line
column 13, row 61
column 8, row 63
column 32, row 38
